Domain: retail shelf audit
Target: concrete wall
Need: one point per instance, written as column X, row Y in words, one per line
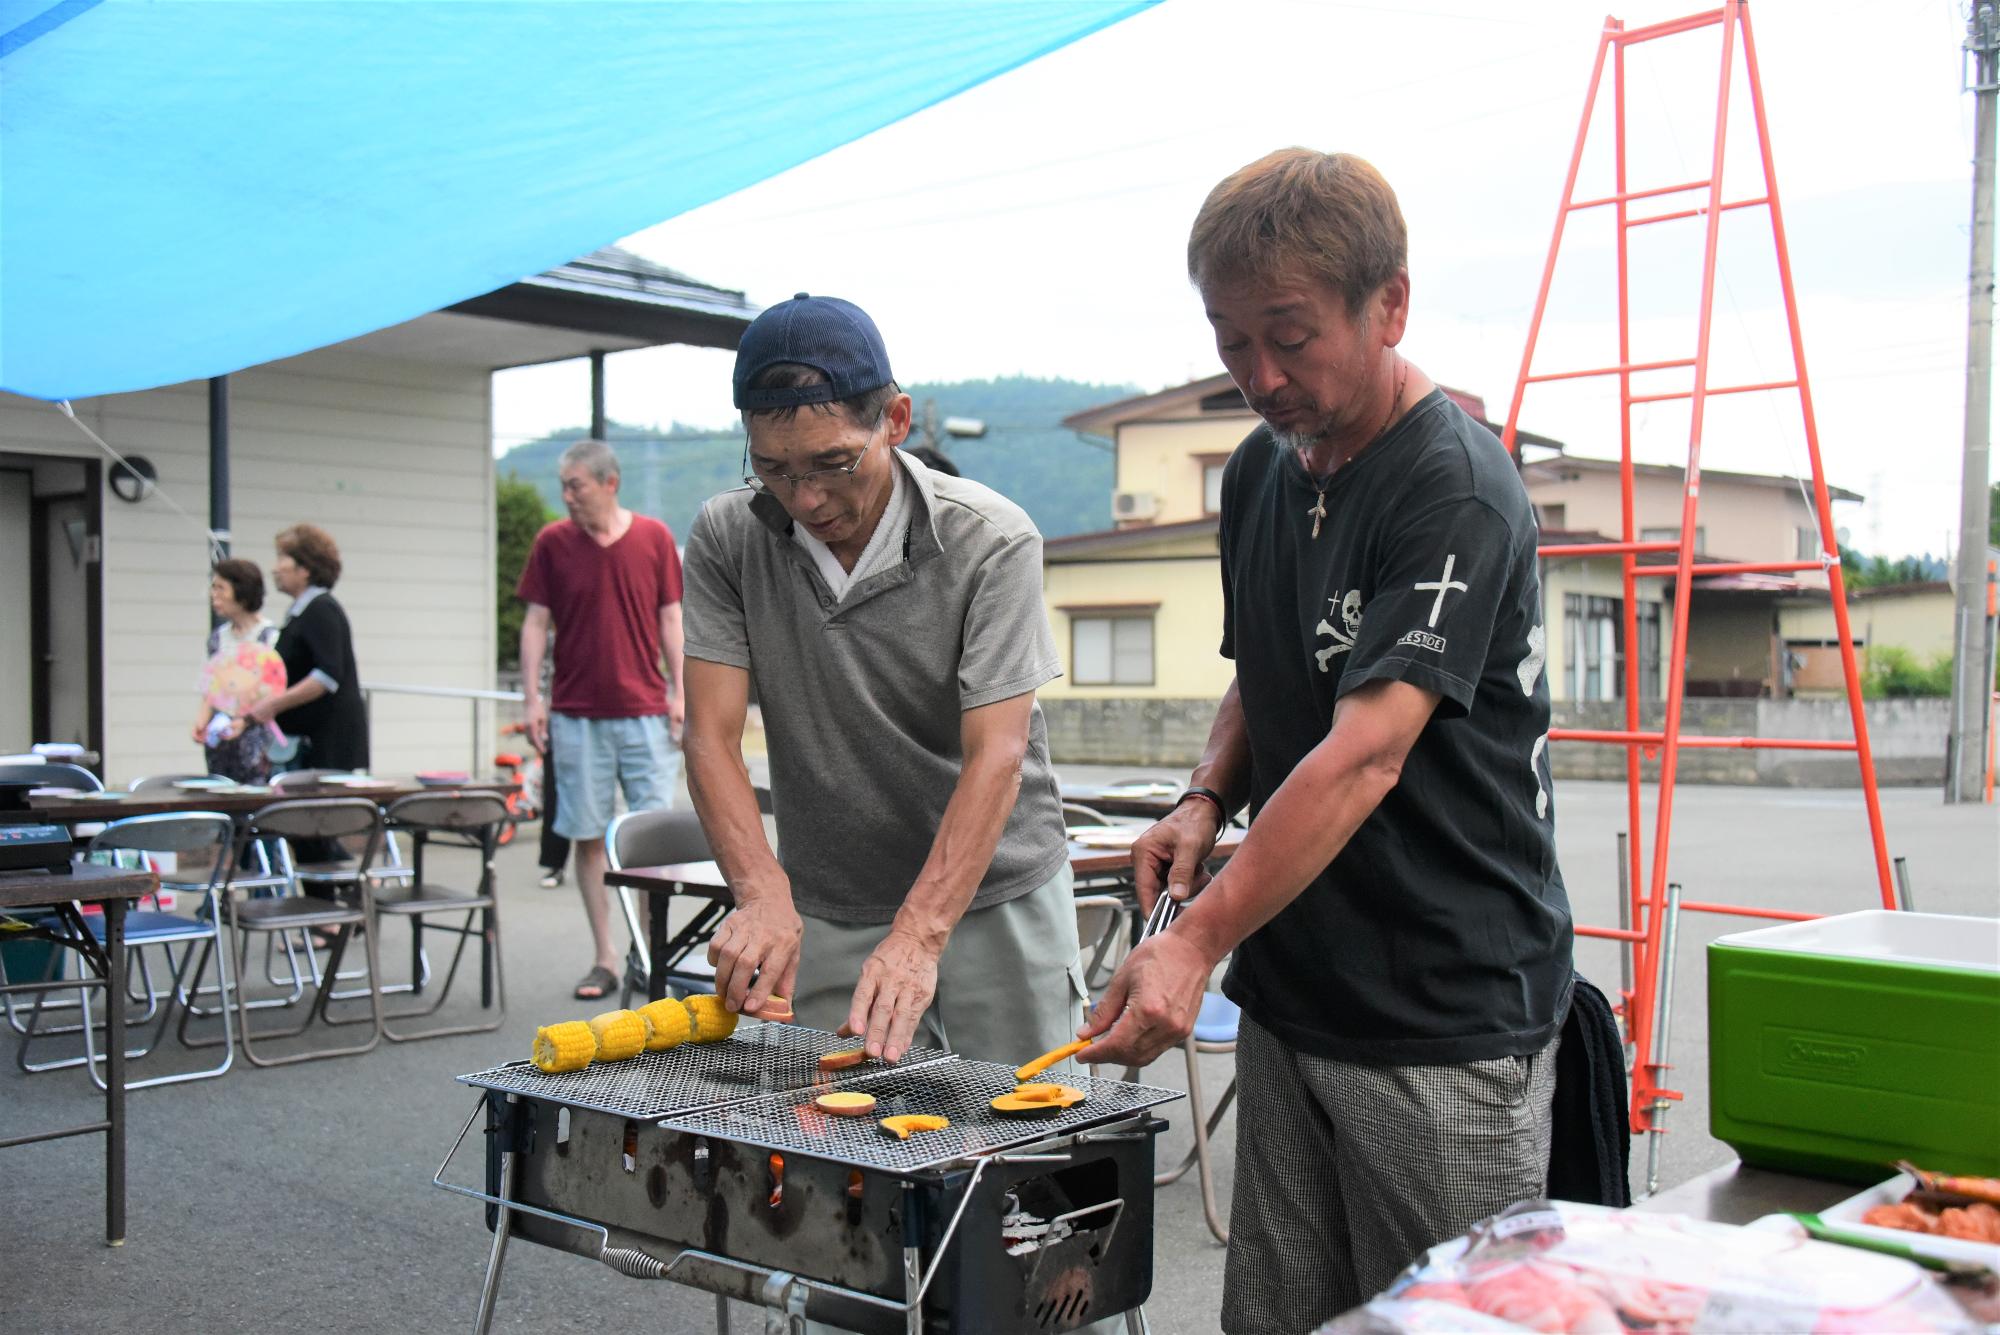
column 1907, row 735
column 394, row 458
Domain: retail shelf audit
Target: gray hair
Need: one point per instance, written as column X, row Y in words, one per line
column 594, row 455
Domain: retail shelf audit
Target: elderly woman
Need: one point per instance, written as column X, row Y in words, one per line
column 322, row 706
column 235, row 592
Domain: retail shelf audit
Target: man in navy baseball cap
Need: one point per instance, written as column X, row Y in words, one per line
column 892, row 619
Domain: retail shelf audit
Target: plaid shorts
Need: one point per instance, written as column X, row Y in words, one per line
column 1347, row 1173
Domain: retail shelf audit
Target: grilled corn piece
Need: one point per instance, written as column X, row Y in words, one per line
column 668, row 1024
column 620, row 1034
column 713, row 1021
column 568, row 1046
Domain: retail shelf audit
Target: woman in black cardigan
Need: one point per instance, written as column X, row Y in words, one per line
column 322, row 707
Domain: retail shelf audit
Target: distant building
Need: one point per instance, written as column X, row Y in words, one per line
column 385, row 440
column 1137, row 607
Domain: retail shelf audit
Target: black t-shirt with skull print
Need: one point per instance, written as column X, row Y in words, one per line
column 1441, row 934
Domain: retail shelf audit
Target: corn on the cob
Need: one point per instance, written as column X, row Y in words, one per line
column 568, row 1046
column 713, row 1021
column 620, row 1034
column 668, row 1024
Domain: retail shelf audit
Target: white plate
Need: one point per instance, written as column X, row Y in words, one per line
column 1141, row 790
column 198, row 784
column 76, row 796
column 361, row 781
column 1846, row 1216
column 1106, row 836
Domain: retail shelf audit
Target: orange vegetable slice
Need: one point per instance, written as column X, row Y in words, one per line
column 841, row 1061
column 1048, row 1059
column 1043, row 1101
column 778, row 1010
column 843, row 1103
column 902, row 1128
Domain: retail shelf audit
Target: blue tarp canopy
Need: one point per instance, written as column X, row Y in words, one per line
column 189, row 187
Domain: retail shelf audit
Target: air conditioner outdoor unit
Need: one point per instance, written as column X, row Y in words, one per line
column 1134, row 505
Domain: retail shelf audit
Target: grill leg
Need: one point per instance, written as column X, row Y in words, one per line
column 721, row 1315
column 913, row 1278
column 502, row 1223
column 1136, row 1323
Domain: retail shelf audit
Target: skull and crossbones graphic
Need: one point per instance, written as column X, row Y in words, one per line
column 1349, row 610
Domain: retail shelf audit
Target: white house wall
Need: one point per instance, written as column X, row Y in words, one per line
column 393, row 458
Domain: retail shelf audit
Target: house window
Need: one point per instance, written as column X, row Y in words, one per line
column 1594, row 632
column 1111, row 649
column 1673, row 535
column 1211, row 489
column 1554, row 516
column 1808, row 544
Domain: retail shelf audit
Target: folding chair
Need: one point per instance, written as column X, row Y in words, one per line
column 463, row 820
column 651, row 839
column 317, row 818
column 1102, row 934
column 178, row 833
column 1214, row 1032
column 1077, row 816
column 53, row 774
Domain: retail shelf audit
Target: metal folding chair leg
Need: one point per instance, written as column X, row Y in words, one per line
column 318, row 1009
column 1203, row 1128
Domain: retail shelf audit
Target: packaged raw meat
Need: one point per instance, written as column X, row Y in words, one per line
column 1556, row 1266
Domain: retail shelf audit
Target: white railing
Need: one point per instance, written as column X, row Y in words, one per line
column 480, row 700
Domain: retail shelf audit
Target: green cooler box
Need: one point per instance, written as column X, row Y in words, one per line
column 1839, row 1046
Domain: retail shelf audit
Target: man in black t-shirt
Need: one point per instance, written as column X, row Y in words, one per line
column 1400, row 934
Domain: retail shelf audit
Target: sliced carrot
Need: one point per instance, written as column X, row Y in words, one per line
column 843, row 1103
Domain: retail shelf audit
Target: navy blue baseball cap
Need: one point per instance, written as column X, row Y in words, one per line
column 833, row 336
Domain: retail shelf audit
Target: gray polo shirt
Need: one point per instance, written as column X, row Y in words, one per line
column 862, row 695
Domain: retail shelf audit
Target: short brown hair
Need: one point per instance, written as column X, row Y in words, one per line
column 1328, row 215
column 245, row 581
column 315, row 551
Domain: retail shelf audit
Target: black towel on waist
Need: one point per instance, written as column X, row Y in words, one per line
column 1590, row 1152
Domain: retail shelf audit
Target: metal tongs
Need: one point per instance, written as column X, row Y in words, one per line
column 1164, row 909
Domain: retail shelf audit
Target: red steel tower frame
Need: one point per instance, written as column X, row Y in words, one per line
column 1650, row 910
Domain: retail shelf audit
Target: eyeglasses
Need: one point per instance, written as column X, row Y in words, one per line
column 761, row 480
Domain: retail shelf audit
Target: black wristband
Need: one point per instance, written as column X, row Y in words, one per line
column 1209, row 795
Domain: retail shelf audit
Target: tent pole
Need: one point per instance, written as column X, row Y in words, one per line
column 597, row 394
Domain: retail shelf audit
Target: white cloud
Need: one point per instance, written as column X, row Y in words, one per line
column 1036, row 223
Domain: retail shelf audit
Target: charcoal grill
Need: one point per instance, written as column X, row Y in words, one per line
column 710, row 1165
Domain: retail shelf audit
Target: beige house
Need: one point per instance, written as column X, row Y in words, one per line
column 385, row 440
column 1137, row 608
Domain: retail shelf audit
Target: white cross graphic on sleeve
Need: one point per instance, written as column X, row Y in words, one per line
column 1443, row 584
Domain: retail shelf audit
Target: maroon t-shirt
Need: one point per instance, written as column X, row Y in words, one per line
column 606, row 603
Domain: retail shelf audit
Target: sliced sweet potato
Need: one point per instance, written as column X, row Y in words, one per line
column 907, row 1125
column 844, row 1103
column 841, row 1061
column 1048, row 1059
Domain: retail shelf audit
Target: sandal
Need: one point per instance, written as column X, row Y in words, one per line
column 599, row 978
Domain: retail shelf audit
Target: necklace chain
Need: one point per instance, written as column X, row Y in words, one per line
column 1318, row 511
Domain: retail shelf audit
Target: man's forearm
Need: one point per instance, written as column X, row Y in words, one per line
column 1225, row 760
column 988, row 785
column 672, row 642
column 534, row 643
column 1310, row 818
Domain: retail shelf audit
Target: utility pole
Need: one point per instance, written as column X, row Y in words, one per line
column 1965, row 753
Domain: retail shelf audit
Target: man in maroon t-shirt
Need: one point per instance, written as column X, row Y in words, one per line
column 610, row 583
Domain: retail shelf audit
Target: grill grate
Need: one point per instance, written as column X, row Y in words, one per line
column 960, row 1090
column 758, row 1059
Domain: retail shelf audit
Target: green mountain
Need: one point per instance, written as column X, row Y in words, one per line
column 1062, row 480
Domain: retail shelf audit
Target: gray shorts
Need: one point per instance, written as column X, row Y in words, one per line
column 1347, row 1173
column 596, row 757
